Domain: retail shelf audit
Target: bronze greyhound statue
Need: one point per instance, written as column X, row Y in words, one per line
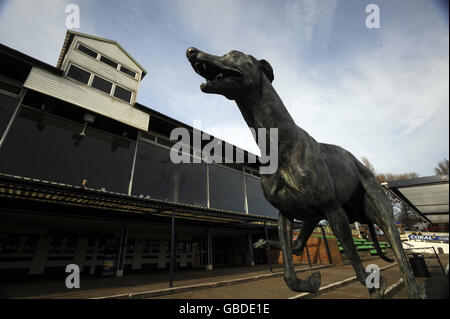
column 314, row 181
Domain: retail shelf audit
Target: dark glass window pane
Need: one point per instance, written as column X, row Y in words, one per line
column 257, row 203
column 41, row 146
column 226, row 188
column 108, row 61
column 9, row 87
column 127, row 71
column 7, row 107
column 101, row 84
column 88, row 51
column 158, row 177
column 78, row 74
column 122, row 94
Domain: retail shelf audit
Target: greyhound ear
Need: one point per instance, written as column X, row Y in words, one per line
column 267, row 69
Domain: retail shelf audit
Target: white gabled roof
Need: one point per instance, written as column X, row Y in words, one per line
column 71, row 34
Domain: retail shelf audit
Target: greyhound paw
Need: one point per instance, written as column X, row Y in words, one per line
column 314, row 282
column 422, row 293
column 262, row 243
column 378, row 293
column 310, row 284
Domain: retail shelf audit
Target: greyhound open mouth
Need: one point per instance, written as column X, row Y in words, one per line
column 214, row 73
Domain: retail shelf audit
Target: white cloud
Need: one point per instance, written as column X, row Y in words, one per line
column 387, row 101
column 34, row 27
column 374, row 104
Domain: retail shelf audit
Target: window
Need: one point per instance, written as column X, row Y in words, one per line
column 53, row 144
column 226, row 188
column 7, row 107
column 9, row 244
column 101, row 84
column 8, row 87
column 122, row 94
column 108, row 61
column 127, row 71
column 30, row 243
column 150, row 246
column 55, row 245
column 78, row 74
column 156, row 176
column 71, row 244
column 257, row 203
column 130, row 245
column 88, row 51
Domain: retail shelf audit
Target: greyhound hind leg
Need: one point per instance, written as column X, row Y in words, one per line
column 340, row 225
column 379, row 211
column 393, row 238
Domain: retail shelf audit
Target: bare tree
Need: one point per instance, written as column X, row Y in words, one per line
column 442, row 167
column 368, row 164
column 401, row 212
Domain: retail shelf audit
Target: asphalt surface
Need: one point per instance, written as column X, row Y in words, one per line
column 267, row 288
column 276, row 288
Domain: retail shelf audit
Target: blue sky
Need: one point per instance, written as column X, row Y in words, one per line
column 380, row 93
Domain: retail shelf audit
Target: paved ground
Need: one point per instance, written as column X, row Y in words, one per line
column 95, row 286
column 357, row 291
column 436, row 286
column 275, row 288
column 268, row 288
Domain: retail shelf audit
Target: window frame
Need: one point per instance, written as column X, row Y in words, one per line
column 11, row 82
column 104, row 56
column 123, row 66
column 81, row 68
column 126, row 89
column 91, row 78
column 99, row 55
column 87, row 47
column 100, row 77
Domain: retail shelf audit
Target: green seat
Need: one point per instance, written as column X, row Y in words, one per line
column 364, row 247
column 374, row 252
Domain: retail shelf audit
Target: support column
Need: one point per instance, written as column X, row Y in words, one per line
column 326, row 244
column 13, row 117
column 130, row 184
column 173, row 253
column 176, row 187
column 209, row 265
column 357, row 228
column 307, row 254
column 40, row 255
column 80, row 253
column 122, row 249
column 251, row 252
column 269, row 254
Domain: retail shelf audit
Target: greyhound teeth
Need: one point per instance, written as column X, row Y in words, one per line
column 204, row 66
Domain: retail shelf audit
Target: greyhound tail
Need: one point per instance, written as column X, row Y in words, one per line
column 377, row 244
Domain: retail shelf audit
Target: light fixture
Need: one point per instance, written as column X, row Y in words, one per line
column 88, row 118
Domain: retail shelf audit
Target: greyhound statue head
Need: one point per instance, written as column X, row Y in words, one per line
column 232, row 75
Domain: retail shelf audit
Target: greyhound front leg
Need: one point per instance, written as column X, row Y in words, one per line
column 312, row 283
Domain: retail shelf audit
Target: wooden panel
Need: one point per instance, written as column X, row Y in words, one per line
column 103, row 70
column 110, row 50
column 86, row 97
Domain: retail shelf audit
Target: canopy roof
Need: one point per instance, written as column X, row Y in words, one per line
column 427, row 196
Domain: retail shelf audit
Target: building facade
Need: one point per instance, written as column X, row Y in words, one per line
column 86, row 175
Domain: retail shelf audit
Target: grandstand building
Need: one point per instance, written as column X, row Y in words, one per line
column 86, row 175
